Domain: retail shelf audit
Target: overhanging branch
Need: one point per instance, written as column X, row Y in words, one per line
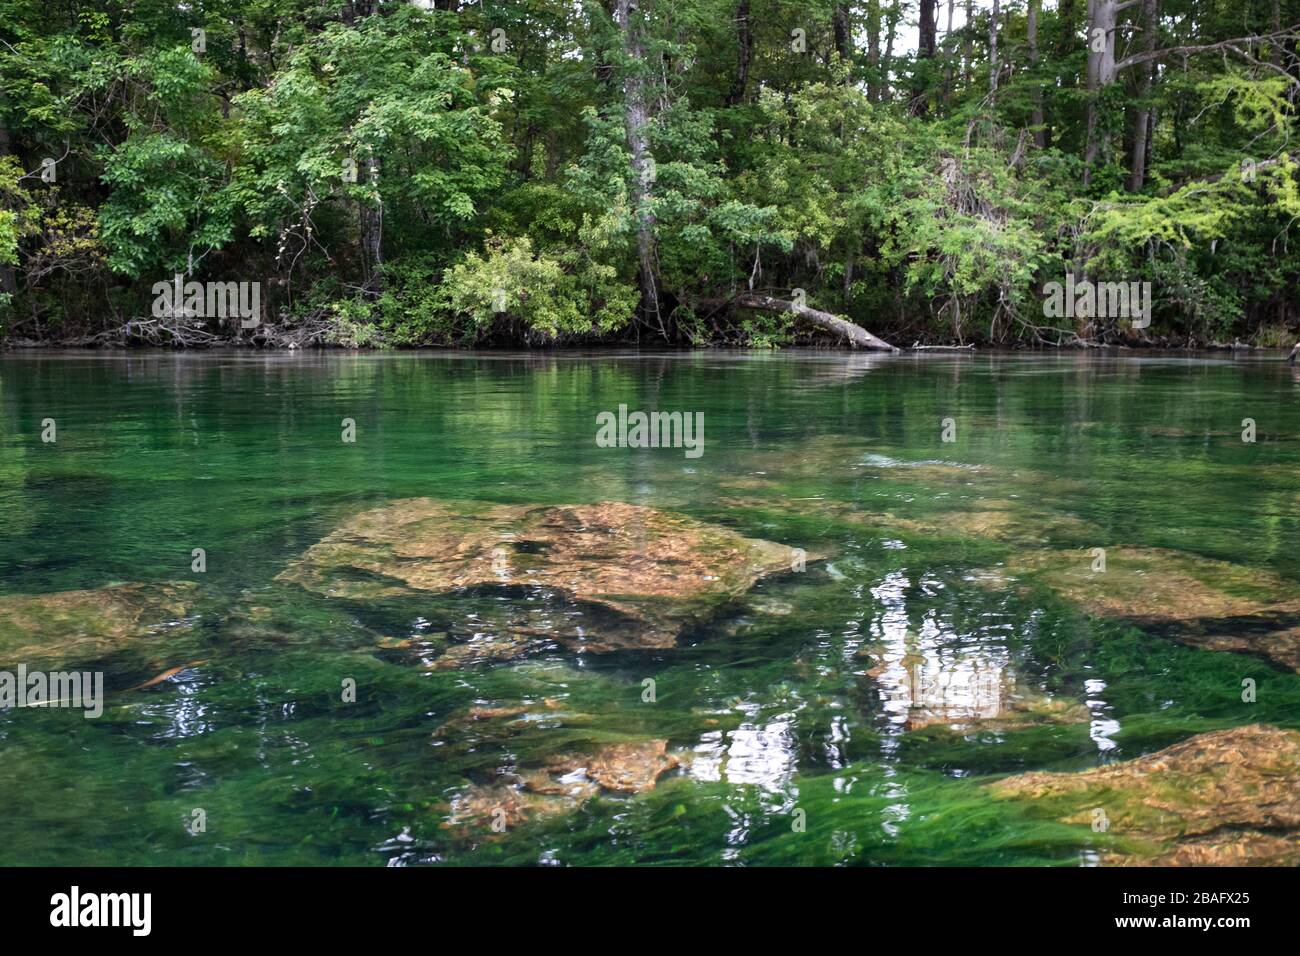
column 1232, row 46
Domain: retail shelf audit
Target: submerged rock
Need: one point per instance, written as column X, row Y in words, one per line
column 498, row 808
column 70, row 626
column 482, row 724
column 832, row 457
column 1229, row 797
column 995, row 519
column 562, row 786
column 486, row 649
column 1193, row 600
column 602, row 576
column 1009, row 520
column 622, row 768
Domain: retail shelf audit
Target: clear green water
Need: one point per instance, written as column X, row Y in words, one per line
column 241, row 455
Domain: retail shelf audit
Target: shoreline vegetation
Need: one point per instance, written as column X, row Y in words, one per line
column 287, row 342
column 385, row 174
column 829, row 347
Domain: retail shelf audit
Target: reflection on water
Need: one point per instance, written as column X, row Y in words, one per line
column 757, row 752
column 180, row 711
column 1102, row 727
column 934, row 675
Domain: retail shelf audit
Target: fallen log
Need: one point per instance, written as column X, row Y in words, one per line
column 857, row 336
column 918, row 347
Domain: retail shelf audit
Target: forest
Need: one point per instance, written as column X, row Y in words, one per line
column 539, row 173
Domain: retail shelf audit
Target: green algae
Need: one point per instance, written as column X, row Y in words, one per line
column 1222, row 798
column 1199, row 601
column 70, row 627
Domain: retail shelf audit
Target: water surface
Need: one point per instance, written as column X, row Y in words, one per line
column 802, row 696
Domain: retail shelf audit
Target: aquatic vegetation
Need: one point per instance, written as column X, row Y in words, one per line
column 78, row 626
column 1000, row 520
column 1205, row 603
column 400, row 634
column 925, row 498
column 1229, row 797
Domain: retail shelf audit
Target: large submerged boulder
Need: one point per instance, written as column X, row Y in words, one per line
column 65, row 627
column 1194, row 600
column 1230, row 797
column 623, row 575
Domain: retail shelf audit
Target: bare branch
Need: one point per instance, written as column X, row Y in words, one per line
column 1232, row 46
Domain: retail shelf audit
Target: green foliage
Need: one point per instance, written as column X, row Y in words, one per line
column 382, row 168
column 381, row 116
column 18, row 212
column 569, row 294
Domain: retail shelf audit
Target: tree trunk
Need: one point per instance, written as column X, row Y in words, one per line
column 1066, row 39
column 891, row 27
column 1275, row 56
column 1036, row 113
column 1142, row 118
column 993, row 47
column 372, row 233
column 858, row 337
column 1065, row 43
column 1153, row 117
column 873, row 50
column 637, row 122
column 947, row 60
column 843, row 36
column 925, row 51
column 967, row 46
column 1103, row 15
column 604, row 64
column 744, row 51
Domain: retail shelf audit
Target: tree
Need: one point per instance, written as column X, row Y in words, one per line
column 637, row 121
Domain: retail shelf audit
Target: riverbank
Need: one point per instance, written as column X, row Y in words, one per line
column 291, row 342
